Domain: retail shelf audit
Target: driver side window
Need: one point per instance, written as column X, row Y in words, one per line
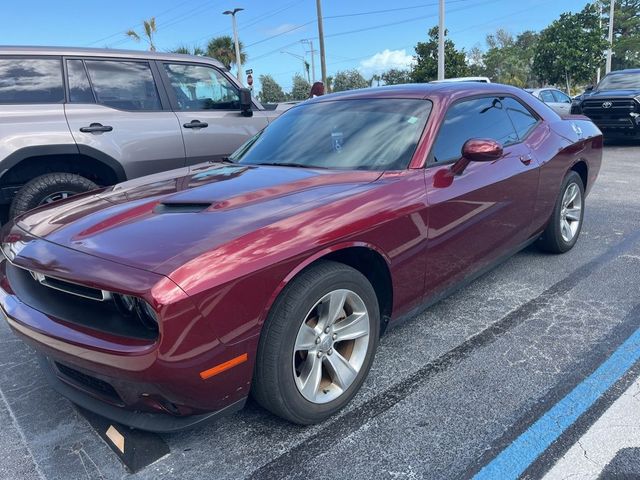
column 484, row 117
column 198, row 87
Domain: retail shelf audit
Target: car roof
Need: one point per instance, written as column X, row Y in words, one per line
column 628, row 70
column 419, row 91
column 104, row 52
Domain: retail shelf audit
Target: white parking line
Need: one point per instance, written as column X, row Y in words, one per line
column 616, row 429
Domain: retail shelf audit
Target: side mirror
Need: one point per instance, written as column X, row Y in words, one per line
column 589, row 88
column 245, row 103
column 477, row 150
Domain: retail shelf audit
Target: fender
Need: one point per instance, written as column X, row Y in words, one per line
column 66, row 149
column 308, row 261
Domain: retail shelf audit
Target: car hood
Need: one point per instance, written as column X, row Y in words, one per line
column 611, row 94
column 160, row 222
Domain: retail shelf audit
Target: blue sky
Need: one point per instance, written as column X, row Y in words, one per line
column 357, row 38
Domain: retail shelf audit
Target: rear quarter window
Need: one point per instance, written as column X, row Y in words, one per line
column 31, row 80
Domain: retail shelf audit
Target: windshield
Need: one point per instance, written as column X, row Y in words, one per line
column 620, row 81
column 369, row 134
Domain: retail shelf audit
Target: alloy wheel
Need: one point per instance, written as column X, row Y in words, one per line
column 571, row 212
column 331, row 346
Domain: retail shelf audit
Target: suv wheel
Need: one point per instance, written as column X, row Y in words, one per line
column 46, row 189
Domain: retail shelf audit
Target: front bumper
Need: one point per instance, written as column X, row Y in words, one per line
column 152, row 422
column 146, row 383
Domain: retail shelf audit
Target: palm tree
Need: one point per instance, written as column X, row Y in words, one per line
column 149, row 32
column 189, row 50
column 223, row 50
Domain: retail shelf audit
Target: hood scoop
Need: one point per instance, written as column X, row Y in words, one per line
column 191, row 207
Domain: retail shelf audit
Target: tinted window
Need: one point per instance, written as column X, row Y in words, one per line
column 371, row 134
column 523, row 120
column 478, row 118
column 546, row 96
column 202, row 88
column 561, row 97
column 124, row 85
column 620, row 81
column 79, row 88
column 31, row 80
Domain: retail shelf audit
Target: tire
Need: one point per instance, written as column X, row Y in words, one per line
column 563, row 230
column 281, row 364
column 45, row 188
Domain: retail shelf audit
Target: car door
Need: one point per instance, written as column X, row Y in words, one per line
column 207, row 104
column 484, row 213
column 115, row 111
column 562, row 102
column 547, row 97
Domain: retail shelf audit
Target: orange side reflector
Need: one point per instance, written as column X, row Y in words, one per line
column 224, row 366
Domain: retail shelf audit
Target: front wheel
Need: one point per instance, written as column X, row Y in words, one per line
column 565, row 225
column 48, row 188
column 317, row 344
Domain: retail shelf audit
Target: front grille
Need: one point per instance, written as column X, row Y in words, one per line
column 71, row 288
column 95, row 385
column 617, row 115
column 58, row 302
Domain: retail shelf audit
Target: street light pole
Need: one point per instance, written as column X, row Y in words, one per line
column 235, row 40
column 323, row 64
column 610, row 51
column 304, row 63
column 599, row 25
column 441, row 41
column 313, row 58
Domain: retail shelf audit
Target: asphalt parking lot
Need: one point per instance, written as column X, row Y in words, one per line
column 451, row 390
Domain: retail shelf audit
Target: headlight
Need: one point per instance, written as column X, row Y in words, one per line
column 131, row 306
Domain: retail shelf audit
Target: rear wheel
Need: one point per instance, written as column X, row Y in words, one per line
column 565, row 225
column 47, row 189
column 317, row 344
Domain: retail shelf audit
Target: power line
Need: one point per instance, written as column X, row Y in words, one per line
column 139, row 24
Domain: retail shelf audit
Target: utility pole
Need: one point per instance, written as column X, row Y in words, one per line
column 441, row 41
column 235, row 40
column 600, row 25
column 313, row 58
column 323, row 64
column 304, row 63
column 610, row 51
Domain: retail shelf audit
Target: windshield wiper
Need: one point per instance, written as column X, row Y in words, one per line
column 224, row 160
column 286, row 164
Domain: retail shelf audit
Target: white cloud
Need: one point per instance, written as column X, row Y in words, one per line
column 385, row 60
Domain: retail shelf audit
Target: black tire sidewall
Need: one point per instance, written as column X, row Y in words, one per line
column 32, row 194
column 301, row 410
column 562, row 245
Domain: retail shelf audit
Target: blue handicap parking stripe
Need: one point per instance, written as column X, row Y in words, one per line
column 524, row 450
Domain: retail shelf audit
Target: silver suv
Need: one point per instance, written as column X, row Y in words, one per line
column 74, row 119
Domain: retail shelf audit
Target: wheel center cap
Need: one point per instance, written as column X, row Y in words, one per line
column 326, row 342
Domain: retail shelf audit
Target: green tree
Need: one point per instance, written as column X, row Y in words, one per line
column 300, row 89
column 396, row 76
column 426, row 66
column 509, row 59
column 184, row 49
column 270, row 90
column 570, row 49
column 348, row 80
column 223, row 49
column 626, row 32
column 149, row 33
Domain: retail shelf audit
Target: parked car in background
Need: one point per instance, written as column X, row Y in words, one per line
column 73, row 119
column 613, row 104
column 166, row 300
column 463, row 79
column 556, row 99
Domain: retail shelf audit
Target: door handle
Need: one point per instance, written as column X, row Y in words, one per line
column 526, row 159
column 96, row 127
column 196, row 124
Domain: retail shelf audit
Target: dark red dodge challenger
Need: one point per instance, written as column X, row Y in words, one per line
column 167, row 300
